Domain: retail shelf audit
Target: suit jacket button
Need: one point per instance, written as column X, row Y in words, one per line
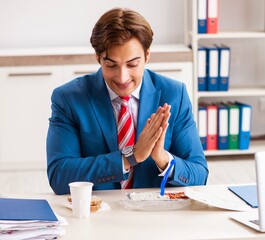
column 108, row 178
column 99, row 180
column 104, row 179
column 113, row 177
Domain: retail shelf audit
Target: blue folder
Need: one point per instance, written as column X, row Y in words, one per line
column 202, row 125
column 244, row 125
column 224, row 53
column 212, row 69
column 202, row 16
column 248, row 193
column 202, row 67
column 26, row 209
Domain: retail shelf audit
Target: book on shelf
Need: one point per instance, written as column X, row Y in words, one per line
column 202, row 125
column 244, row 125
column 224, row 126
column 201, row 66
column 202, row 16
column 212, row 16
column 233, row 120
column 212, row 68
column 223, row 67
column 211, row 127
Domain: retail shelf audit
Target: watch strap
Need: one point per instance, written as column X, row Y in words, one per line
column 131, row 159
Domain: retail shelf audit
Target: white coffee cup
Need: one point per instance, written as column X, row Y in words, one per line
column 81, row 198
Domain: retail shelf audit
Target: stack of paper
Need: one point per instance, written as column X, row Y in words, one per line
column 29, row 219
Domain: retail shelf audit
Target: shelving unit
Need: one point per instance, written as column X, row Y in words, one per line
column 236, row 90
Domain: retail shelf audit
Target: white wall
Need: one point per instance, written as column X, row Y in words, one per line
column 63, row 23
column 52, row 23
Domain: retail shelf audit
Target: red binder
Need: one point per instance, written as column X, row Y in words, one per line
column 212, row 16
column 212, row 134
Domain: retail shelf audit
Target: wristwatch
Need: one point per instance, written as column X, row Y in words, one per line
column 128, row 153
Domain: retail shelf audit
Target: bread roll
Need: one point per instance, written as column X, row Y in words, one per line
column 94, row 205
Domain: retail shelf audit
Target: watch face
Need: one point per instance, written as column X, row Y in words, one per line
column 127, row 150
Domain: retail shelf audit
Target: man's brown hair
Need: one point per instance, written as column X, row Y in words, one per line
column 117, row 26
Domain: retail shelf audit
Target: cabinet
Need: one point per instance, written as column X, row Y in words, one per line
column 25, row 108
column 244, row 32
column 25, row 104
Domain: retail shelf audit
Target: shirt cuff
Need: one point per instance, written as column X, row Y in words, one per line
column 163, row 172
column 123, row 169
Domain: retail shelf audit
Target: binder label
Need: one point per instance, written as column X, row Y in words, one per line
column 223, row 131
column 202, row 123
column 246, row 117
column 213, row 63
column 212, row 126
column 212, row 9
column 224, row 65
column 234, row 121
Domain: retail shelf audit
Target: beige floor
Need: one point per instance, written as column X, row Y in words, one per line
column 231, row 170
column 228, row 170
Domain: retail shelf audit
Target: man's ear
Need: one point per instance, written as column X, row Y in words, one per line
column 147, row 55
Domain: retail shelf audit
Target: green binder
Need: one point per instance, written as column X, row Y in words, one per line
column 233, row 129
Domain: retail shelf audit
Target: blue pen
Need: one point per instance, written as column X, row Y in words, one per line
column 164, row 181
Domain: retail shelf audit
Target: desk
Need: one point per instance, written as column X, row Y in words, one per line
column 199, row 221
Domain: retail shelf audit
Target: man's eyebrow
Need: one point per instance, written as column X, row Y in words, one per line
column 131, row 60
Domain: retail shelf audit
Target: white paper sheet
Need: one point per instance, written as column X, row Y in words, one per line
column 216, row 202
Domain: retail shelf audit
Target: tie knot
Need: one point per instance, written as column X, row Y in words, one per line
column 126, row 98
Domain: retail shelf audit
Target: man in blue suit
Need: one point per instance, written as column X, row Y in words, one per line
column 82, row 140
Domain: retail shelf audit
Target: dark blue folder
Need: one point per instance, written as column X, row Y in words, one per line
column 223, row 126
column 248, row 193
column 212, row 69
column 26, row 209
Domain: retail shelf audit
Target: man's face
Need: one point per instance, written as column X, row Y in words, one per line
column 123, row 66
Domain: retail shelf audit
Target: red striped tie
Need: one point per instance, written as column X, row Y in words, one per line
column 126, row 134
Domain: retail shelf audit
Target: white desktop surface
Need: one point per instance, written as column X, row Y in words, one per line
column 199, row 221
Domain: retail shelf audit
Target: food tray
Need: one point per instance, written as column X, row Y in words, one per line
column 140, row 202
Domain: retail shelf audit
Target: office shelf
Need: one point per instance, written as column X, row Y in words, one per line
column 255, row 146
column 194, row 39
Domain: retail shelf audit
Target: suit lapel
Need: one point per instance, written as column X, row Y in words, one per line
column 102, row 107
column 149, row 102
column 100, row 101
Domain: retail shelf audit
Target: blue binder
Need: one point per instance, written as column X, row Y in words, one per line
column 202, row 125
column 245, row 111
column 202, row 16
column 201, row 68
column 212, row 69
column 224, row 67
column 222, row 126
column 26, row 209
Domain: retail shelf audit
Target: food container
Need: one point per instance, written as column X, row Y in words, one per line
column 153, row 201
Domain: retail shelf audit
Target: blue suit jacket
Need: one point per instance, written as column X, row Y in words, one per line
column 82, row 136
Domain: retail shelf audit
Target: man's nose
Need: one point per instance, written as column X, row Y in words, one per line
column 124, row 75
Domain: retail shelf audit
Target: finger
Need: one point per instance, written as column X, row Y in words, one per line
column 156, row 120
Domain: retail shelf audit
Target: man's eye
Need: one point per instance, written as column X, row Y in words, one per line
column 132, row 65
column 110, row 65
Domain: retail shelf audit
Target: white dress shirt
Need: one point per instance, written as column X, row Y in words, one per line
column 133, row 108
